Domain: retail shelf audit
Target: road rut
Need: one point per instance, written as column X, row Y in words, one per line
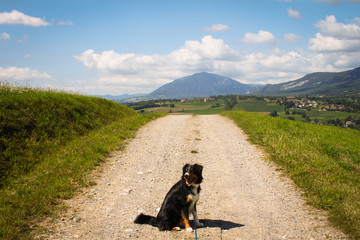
column 243, row 196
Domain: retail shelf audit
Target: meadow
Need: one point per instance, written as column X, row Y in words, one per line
column 324, row 161
column 249, row 105
column 50, row 143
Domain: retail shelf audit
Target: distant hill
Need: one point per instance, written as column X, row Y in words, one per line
column 200, row 85
column 322, row 83
column 119, row 97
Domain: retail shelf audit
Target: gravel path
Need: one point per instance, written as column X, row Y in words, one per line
column 242, row 197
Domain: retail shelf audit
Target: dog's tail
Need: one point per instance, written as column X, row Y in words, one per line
column 146, row 219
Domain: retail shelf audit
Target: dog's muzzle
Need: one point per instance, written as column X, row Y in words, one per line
column 189, row 178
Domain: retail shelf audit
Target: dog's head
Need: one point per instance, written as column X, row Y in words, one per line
column 192, row 174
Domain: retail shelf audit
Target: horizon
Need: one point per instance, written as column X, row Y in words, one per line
column 122, row 47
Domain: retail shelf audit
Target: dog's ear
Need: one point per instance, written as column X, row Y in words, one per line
column 185, row 167
column 198, row 168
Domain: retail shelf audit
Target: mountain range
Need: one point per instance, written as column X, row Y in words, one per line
column 208, row 84
column 321, row 83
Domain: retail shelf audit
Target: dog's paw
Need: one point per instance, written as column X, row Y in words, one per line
column 199, row 224
column 176, row 228
column 189, row 229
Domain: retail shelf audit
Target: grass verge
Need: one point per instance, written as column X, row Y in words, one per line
column 324, row 161
column 55, row 160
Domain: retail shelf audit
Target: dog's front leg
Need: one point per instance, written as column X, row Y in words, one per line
column 196, row 219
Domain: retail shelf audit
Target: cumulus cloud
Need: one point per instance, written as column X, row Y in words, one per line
column 4, row 36
column 293, row 13
column 133, row 73
column 16, row 75
column 330, row 27
column 217, row 28
column 192, row 55
column 16, row 17
column 332, row 44
column 337, row 44
column 262, row 37
column 334, row 36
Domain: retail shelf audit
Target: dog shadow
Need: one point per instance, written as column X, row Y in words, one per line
column 223, row 225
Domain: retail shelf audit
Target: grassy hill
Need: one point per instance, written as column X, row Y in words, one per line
column 323, row 160
column 49, row 143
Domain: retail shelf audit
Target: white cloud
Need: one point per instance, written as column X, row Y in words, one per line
column 293, row 13
column 4, row 36
column 192, row 55
column 16, row 17
column 217, row 28
column 291, row 37
column 336, row 45
column 330, row 27
column 334, row 36
column 137, row 73
column 332, row 44
column 16, row 75
column 262, row 37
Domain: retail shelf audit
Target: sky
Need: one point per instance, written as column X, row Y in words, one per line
column 98, row 47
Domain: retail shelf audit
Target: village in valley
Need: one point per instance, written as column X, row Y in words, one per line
column 318, row 104
column 305, row 103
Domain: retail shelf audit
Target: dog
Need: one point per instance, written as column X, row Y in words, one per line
column 178, row 203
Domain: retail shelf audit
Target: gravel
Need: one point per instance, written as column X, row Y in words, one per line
column 243, row 196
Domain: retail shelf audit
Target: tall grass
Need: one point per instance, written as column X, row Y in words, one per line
column 49, row 143
column 324, row 161
column 32, row 120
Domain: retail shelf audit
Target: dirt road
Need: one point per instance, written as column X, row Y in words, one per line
column 242, row 197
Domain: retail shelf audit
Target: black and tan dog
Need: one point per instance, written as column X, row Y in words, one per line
column 178, row 203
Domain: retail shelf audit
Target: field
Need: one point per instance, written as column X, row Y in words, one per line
column 320, row 115
column 50, row 143
column 323, row 160
column 257, row 106
column 192, row 107
column 250, row 105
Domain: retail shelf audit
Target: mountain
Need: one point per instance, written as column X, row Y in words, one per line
column 322, row 83
column 200, row 85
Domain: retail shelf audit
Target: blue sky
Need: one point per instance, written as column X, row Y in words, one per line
column 135, row 46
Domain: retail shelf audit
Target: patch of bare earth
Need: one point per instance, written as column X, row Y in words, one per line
column 242, row 197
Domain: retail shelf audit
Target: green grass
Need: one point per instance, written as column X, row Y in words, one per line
column 192, row 107
column 257, row 106
column 324, row 161
column 319, row 115
column 50, row 143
